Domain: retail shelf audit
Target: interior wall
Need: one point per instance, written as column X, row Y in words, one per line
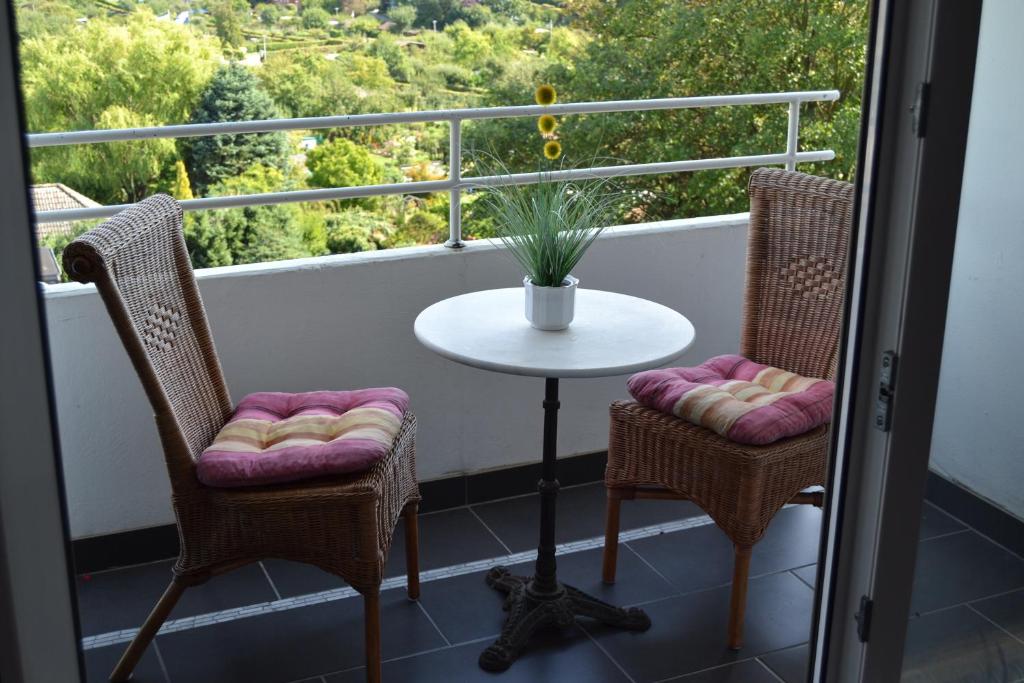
column 347, row 321
column 978, row 439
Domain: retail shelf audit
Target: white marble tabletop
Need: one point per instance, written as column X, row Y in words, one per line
column 612, row 334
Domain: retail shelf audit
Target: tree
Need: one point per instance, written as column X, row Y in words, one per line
column 315, row 18
column 342, row 163
column 664, row 48
column 357, row 230
column 269, row 14
column 403, row 16
column 142, row 72
column 443, row 12
column 228, row 16
column 182, row 188
column 251, row 234
column 234, row 94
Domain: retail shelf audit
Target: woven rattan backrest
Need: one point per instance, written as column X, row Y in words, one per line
column 141, row 268
column 796, row 270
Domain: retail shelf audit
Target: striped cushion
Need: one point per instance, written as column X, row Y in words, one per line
column 742, row 400
column 274, row 438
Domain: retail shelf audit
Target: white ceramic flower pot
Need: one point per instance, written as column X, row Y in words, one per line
column 550, row 308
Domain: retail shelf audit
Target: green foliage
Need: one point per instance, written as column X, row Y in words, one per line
column 307, row 84
column 182, row 188
column 422, row 227
column 315, row 18
column 443, row 12
column 357, row 230
column 269, row 14
column 404, row 17
column 342, row 163
column 42, row 18
column 227, row 19
column 107, row 75
column 110, row 64
column 387, row 49
column 365, row 25
column 728, row 46
column 547, row 227
column 251, row 234
column 234, row 94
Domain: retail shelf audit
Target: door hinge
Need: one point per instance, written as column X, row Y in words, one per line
column 863, row 618
column 919, row 109
column 886, row 390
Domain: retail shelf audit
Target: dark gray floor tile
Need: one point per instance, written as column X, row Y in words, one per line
column 123, row 598
column 959, row 646
column 960, row 568
column 935, row 522
column 808, row 574
column 688, row 633
column 465, row 608
column 99, row 662
column 1005, row 610
column 748, row 671
column 567, row 656
column 296, row 578
column 294, row 644
column 789, row 665
column 581, row 514
column 446, row 538
column 702, row 557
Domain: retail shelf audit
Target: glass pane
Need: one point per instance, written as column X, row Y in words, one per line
column 966, row 621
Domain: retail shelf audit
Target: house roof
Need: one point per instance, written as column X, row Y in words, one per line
column 54, row 197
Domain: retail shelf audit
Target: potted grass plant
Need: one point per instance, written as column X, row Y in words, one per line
column 547, row 226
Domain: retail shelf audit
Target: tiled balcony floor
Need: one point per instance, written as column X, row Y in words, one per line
column 968, row 590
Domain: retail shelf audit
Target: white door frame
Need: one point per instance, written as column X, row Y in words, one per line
column 909, row 193
column 38, row 630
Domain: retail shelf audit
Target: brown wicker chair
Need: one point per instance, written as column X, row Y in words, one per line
column 343, row 525
column 796, row 265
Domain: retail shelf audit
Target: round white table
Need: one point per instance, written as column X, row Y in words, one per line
column 612, row 334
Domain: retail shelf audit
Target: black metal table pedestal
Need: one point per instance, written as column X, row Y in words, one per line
column 542, row 601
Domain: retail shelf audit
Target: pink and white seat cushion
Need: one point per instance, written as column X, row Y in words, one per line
column 743, row 401
column 274, row 437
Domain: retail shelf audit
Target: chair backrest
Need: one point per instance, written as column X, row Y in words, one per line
column 796, row 271
column 142, row 270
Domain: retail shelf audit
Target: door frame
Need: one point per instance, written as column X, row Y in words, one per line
column 908, row 204
column 38, row 626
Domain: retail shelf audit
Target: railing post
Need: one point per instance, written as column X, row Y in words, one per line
column 793, row 135
column 455, row 174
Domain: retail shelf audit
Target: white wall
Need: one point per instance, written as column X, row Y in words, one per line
column 978, row 439
column 346, row 321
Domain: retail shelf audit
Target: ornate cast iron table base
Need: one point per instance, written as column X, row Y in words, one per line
column 542, row 601
column 530, row 610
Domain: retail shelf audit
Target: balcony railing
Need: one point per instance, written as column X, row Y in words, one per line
column 455, row 183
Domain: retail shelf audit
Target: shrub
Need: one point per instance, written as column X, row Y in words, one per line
column 315, row 18
column 234, row 94
column 357, row 230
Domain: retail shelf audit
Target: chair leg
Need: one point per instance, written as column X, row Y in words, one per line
column 738, row 603
column 371, row 607
column 125, row 667
column 611, row 536
column 412, row 550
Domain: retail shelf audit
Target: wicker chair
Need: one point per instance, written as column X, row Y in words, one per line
column 343, row 525
column 796, row 265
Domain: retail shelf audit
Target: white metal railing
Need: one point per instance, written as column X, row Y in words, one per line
column 455, row 183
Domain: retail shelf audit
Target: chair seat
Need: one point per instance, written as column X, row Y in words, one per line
column 739, row 399
column 274, row 438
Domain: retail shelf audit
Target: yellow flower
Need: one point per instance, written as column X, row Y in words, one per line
column 546, row 124
column 545, row 95
column 552, row 149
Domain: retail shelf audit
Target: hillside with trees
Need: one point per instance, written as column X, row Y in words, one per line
column 89, row 64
